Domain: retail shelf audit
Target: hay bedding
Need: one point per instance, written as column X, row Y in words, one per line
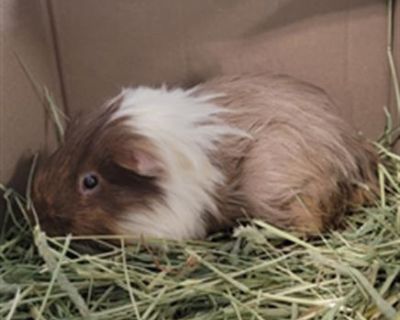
column 255, row 272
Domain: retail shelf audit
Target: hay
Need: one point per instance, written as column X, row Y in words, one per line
column 256, row 272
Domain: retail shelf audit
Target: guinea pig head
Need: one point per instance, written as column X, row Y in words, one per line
column 102, row 169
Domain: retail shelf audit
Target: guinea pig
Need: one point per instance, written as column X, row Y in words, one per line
column 181, row 163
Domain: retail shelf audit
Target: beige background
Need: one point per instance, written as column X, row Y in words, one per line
column 85, row 50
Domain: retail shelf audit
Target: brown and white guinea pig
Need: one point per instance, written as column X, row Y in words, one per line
column 178, row 164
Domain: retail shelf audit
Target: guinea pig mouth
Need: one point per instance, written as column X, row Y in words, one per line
column 48, row 221
column 55, row 228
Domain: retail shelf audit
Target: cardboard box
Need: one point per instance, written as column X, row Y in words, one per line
column 85, row 50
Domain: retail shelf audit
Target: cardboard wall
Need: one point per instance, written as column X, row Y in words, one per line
column 396, row 52
column 339, row 45
column 85, row 50
column 25, row 38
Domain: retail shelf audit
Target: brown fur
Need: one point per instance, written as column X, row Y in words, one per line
column 305, row 167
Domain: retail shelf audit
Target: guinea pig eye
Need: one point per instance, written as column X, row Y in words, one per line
column 89, row 182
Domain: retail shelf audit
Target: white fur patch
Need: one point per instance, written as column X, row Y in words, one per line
column 184, row 128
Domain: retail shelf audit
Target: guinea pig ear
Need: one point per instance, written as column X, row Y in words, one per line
column 140, row 161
